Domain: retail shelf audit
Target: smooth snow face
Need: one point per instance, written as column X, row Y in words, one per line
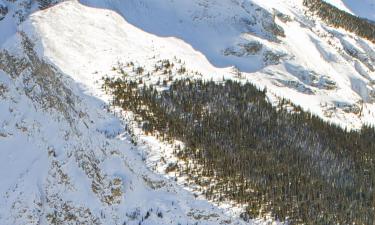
column 361, row 8
column 327, row 71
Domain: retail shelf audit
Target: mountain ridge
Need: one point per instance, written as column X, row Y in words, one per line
column 68, row 153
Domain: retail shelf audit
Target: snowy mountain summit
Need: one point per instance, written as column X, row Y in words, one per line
column 66, row 157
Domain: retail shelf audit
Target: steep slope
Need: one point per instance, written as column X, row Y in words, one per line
column 60, row 161
column 59, row 141
column 363, row 8
column 12, row 13
column 325, row 70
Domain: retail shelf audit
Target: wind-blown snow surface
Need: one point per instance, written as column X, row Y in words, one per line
column 327, row 71
column 60, row 161
column 361, row 8
column 59, row 151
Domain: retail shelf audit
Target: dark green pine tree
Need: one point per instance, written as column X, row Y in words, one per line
column 43, row 4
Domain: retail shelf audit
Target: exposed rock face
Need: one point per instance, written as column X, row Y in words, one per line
column 21, row 9
column 43, row 4
column 41, row 84
column 3, row 10
column 244, row 49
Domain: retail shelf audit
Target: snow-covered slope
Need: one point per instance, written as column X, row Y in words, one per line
column 361, row 8
column 60, row 161
column 12, row 13
column 60, row 154
column 327, row 71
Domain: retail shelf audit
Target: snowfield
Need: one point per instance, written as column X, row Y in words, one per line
column 64, row 156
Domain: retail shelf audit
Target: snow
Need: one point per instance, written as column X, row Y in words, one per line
column 324, row 70
column 198, row 33
column 17, row 12
column 361, row 8
column 47, row 164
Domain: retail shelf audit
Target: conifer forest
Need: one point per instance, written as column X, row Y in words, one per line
column 278, row 160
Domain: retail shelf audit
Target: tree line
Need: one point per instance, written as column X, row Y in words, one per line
column 339, row 18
